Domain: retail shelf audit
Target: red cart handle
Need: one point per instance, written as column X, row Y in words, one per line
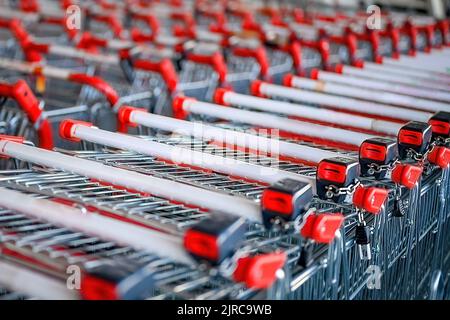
column 63, row 22
column 33, row 51
column 164, row 67
column 429, row 35
column 411, row 31
column 350, row 41
column 218, row 16
column 151, row 21
column 16, row 28
column 372, row 36
column 97, row 83
column 295, row 50
column 322, row 45
column 443, row 27
column 90, row 43
column 24, row 97
column 107, row 5
column 259, row 54
column 394, row 34
column 216, row 61
column 29, row 5
column 111, row 21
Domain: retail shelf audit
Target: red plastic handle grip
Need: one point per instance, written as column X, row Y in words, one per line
column 259, row 54
column 216, row 61
column 111, row 21
column 97, row 83
column 322, row 46
column 25, row 98
column 259, row 272
column 88, row 41
column 164, row 67
column 29, row 5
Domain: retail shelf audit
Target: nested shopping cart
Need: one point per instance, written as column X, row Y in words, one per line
column 45, row 26
column 308, row 281
column 159, row 217
column 63, row 93
column 55, row 250
column 411, row 197
column 21, row 114
column 404, row 241
column 158, row 214
column 140, row 77
column 312, row 274
column 11, row 33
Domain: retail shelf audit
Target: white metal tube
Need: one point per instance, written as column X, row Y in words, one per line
column 391, row 75
column 112, row 59
column 271, row 121
column 405, row 61
column 34, row 284
column 407, row 71
column 185, row 156
column 357, row 81
column 56, row 73
column 148, row 184
column 16, row 65
column 15, row 14
column 390, row 63
column 117, row 44
column 30, row 68
column 369, row 94
column 209, row 132
column 345, row 103
column 70, row 52
column 108, row 229
column 437, row 55
column 320, row 114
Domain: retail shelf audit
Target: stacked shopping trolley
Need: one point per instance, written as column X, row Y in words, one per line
column 222, row 150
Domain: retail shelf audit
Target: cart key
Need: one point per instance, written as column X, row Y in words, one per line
column 362, row 238
column 306, row 255
column 400, row 208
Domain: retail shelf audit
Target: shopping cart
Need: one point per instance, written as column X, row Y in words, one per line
column 161, row 218
column 54, row 249
column 153, row 181
column 299, row 276
column 11, row 33
column 133, row 164
column 146, row 209
column 64, row 93
column 21, row 114
column 50, row 25
column 139, row 77
column 355, row 286
column 399, row 227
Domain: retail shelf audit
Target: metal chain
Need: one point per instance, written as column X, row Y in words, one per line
column 421, row 158
column 376, row 168
column 333, row 191
column 441, row 141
